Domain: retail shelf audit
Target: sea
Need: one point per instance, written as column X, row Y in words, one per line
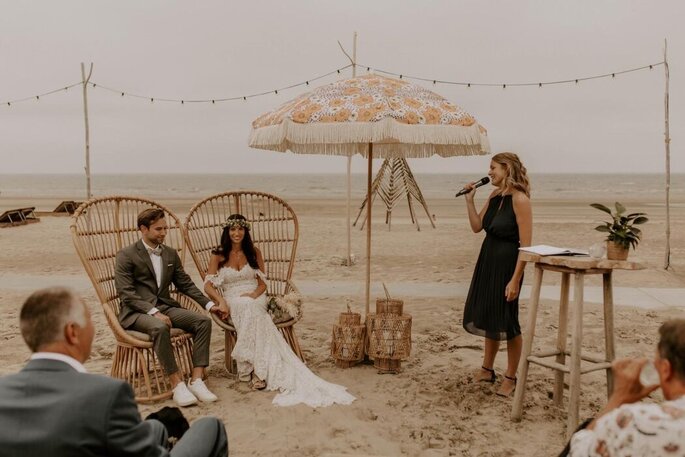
column 609, row 187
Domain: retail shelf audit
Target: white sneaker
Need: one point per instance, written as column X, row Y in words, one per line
column 200, row 390
column 183, row 396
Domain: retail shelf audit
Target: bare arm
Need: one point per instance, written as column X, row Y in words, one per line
column 261, row 285
column 524, row 219
column 223, row 309
column 475, row 218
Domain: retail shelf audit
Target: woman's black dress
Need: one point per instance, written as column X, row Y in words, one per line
column 487, row 313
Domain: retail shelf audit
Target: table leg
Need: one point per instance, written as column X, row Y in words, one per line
column 561, row 338
column 609, row 328
column 577, row 336
column 528, row 336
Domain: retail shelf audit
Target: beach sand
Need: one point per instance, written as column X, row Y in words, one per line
column 432, row 408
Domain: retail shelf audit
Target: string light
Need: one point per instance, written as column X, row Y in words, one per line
column 37, row 97
column 226, row 99
column 505, row 85
column 338, row 71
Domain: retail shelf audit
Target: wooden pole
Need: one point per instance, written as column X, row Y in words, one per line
column 667, row 141
column 369, row 173
column 85, row 117
column 349, row 166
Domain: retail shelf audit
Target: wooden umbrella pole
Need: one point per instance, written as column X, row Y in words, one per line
column 368, row 228
column 667, row 141
column 349, row 166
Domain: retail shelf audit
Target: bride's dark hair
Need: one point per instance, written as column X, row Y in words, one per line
column 247, row 246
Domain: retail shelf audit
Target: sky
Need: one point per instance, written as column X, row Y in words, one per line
column 215, row 49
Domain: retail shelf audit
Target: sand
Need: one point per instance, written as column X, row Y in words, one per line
column 432, row 408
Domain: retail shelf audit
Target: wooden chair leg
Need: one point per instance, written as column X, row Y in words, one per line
column 517, row 409
column 289, row 335
column 577, row 335
column 609, row 329
column 229, row 344
column 561, row 339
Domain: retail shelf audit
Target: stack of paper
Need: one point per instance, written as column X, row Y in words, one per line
column 543, row 249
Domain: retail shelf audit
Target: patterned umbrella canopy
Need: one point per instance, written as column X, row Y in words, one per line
column 400, row 119
column 373, row 116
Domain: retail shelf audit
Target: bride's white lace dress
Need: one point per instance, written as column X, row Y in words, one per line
column 262, row 348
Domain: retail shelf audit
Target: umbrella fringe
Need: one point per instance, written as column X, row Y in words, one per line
column 390, row 138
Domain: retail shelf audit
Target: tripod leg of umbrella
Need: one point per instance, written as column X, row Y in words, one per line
column 414, row 219
column 373, row 200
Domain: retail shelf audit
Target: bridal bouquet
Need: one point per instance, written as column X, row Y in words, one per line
column 286, row 307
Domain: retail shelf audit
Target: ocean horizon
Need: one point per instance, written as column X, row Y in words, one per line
column 321, row 185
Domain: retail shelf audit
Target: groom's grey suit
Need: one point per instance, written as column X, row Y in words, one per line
column 50, row 409
column 136, row 284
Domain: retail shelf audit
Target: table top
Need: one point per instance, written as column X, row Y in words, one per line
column 578, row 262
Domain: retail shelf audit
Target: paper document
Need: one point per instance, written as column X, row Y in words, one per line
column 543, row 249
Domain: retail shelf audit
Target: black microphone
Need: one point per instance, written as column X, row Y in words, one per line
column 481, row 182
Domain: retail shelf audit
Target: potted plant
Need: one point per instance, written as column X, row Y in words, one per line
column 622, row 233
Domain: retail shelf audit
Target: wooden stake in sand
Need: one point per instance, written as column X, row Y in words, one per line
column 667, row 141
column 85, row 117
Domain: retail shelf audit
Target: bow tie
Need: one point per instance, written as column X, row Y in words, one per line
column 155, row 251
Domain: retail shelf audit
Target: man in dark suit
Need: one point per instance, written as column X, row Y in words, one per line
column 54, row 408
column 143, row 273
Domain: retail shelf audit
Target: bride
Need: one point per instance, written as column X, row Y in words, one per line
column 236, row 282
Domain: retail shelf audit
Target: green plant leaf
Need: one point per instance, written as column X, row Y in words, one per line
column 620, row 209
column 601, row 207
column 603, row 228
column 640, row 220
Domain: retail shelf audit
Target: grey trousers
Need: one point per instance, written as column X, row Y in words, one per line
column 205, row 438
column 197, row 324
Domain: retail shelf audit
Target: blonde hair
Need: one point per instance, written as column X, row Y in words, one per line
column 516, row 172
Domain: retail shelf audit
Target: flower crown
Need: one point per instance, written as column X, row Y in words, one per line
column 230, row 223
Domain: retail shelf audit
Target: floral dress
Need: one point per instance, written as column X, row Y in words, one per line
column 262, row 348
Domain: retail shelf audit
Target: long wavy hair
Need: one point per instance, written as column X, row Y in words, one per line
column 517, row 177
column 246, row 245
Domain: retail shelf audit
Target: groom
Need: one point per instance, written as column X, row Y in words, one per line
column 143, row 274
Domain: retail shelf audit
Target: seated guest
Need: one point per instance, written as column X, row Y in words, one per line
column 54, row 408
column 627, row 426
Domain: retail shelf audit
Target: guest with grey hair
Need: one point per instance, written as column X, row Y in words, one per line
column 627, row 426
column 53, row 407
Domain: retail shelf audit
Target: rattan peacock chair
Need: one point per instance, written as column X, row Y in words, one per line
column 101, row 227
column 274, row 231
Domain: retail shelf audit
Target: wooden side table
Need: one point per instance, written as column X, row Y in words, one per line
column 578, row 266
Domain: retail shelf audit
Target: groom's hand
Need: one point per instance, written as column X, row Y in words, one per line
column 222, row 310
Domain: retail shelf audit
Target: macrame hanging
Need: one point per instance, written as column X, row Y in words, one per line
column 395, row 180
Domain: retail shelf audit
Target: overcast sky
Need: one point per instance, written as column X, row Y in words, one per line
column 213, row 49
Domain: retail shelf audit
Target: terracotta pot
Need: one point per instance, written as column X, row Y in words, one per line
column 616, row 252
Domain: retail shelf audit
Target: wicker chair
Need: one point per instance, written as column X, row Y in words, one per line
column 100, row 228
column 274, row 231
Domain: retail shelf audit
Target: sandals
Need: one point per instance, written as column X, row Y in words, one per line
column 493, row 376
column 505, row 393
column 257, row 384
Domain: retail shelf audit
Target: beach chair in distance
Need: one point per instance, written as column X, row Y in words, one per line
column 18, row 216
column 100, row 227
column 67, row 206
column 274, row 231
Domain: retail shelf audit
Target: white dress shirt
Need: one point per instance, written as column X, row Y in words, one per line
column 75, row 364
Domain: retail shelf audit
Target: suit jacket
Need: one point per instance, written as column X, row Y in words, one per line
column 50, row 409
column 136, row 284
